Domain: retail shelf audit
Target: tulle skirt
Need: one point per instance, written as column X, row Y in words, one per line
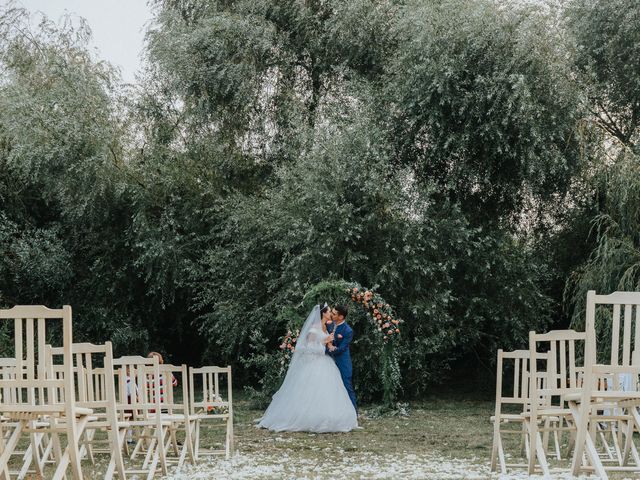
column 312, row 398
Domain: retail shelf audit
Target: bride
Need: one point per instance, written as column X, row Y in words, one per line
column 312, row 397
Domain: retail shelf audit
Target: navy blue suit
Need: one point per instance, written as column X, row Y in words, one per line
column 342, row 356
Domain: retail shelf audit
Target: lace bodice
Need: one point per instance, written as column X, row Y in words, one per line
column 314, row 342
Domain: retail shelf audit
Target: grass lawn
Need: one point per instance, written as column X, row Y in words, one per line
column 438, row 438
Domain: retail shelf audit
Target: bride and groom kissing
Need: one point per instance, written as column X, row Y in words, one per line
column 317, row 393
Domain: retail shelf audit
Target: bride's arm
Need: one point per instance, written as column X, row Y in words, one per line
column 313, row 343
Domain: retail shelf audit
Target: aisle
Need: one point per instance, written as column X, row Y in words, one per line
column 336, row 465
column 440, row 439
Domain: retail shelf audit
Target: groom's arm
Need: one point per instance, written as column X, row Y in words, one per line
column 346, row 340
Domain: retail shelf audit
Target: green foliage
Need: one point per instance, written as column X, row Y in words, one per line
column 450, row 153
column 615, row 262
column 484, row 103
column 607, row 60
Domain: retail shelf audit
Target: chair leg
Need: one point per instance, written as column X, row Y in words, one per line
column 545, row 436
column 9, row 446
column 533, row 445
column 149, row 453
column 581, row 415
column 229, row 447
column 197, row 442
column 35, row 454
column 634, row 426
column 501, row 457
column 88, row 437
column 4, row 472
column 116, row 449
column 62, row 465
column 174, row 441
column 541, row 456
column 494, row 447
column 153, row 466
column 616, row 438
column 74, row 433
column 162, row 431
column 556, row 441
column 189, row 441
column 57, row 451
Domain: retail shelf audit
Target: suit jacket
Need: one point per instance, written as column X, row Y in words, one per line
column 341, row 354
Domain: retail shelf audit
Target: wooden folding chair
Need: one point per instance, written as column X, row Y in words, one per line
column 604, row 396
column 556, row 352
column 175, row 409
column 517, row 395
column 40, row 440
column 210, row 406
column 94, row 379
column 138, row 402
column 35, row 404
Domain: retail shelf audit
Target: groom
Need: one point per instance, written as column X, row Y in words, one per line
column 339, row 348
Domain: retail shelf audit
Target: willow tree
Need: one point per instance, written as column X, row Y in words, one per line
column 607, row 44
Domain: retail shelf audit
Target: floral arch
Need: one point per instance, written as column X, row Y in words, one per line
column 377, row 359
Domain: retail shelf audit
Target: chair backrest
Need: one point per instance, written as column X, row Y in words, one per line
column 559, row 351
column 93, row 374
column 7, row 372
column 213, row 394
column 172, row 403
column 518, row 389
column 620, row 310
column 139, row 386
column 32, row 385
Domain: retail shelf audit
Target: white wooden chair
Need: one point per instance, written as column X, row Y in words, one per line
column 556, row 352
column 34, row 403
column 604, row 396
column 140, row 406
column 175, row 409
column 209, row 408
column 40, row 440
column 516, row 399
column 94, row 379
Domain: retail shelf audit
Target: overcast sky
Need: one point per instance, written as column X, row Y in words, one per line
column 118, row 27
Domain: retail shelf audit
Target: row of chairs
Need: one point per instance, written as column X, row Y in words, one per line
column 571, row 401
column 64, row 404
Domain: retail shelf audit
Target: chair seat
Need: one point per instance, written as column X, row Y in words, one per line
column 151, row 422
column 607, row 395
column 56, row 409
column 102, row 423
column 554, row 413
column 174, row 417
column 202, row 416
column 511, row 417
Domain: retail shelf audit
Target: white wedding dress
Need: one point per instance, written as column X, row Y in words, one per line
column 312, row 397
